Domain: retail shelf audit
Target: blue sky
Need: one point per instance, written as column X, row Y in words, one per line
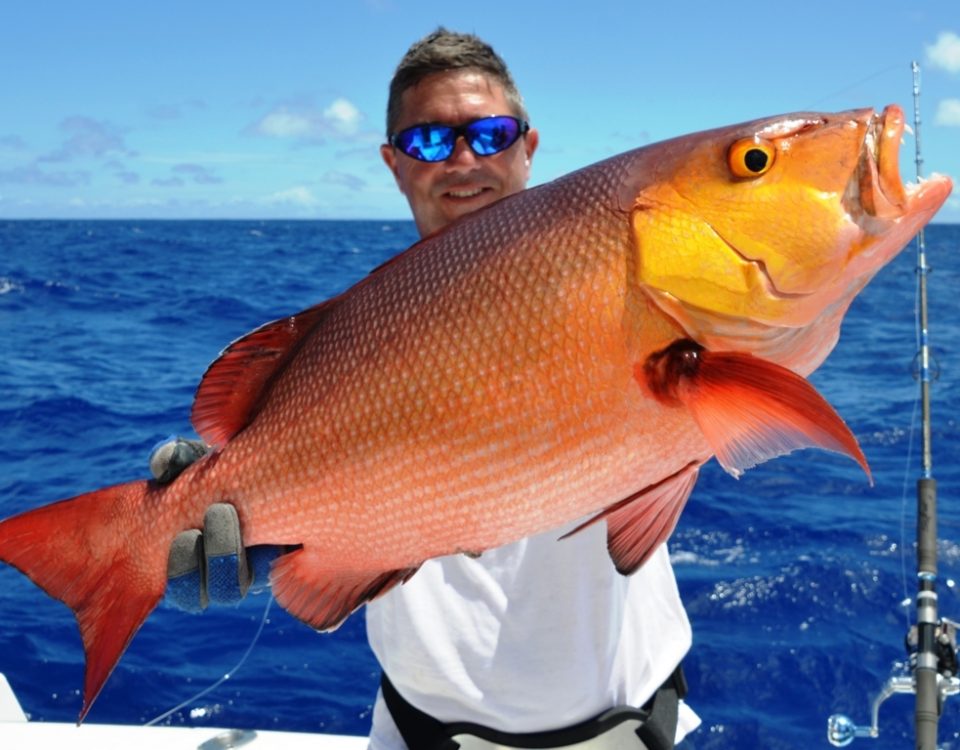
column 275, row 110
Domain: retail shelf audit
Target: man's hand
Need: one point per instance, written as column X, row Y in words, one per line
column 171, row 456
column 212, row 565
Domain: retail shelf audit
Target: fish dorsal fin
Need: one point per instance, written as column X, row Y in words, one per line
column 232, row 388
column 638, row 524
column 750, row 410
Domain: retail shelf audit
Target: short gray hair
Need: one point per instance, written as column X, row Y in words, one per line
column 442, row 51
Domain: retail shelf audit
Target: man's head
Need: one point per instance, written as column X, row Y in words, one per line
column 454, row 79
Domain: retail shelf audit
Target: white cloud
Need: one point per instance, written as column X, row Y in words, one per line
column 342, row 179
column 343, row 116
column 948, row 113
column 127, row 177
column 87, row 137
column 945, row 52
column 13, row 142
column 167, row 182
column 296, row 196
column 34, row 175
column 339, row 120
column 174, row 111
column 952, row 205
column 285, row 124
column 199, row 174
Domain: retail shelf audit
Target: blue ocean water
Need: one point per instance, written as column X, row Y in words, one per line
column 795, row 576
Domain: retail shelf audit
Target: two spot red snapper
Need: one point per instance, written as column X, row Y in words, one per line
column 577, row 350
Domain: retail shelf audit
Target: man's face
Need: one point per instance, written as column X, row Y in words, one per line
column 439, row 192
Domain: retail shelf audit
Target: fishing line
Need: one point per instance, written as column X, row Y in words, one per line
column 911, row 435
column 227, row 676
column 918, row 343
column 852, row 86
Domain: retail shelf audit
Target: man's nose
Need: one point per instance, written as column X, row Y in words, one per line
column 463, row 156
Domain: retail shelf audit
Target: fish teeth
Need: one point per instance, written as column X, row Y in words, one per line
column 916, row 184
column 870, row 142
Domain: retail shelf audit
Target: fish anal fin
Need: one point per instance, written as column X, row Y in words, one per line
column 233, row 386
column 751, row 410
column 640, row 523
column 78, row 551
column 323, row 597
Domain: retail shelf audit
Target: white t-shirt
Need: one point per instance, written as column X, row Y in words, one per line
column 531, row 636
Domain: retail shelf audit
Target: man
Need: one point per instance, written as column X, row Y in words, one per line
column 528, row 644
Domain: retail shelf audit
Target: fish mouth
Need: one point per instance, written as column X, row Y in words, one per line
column 882, row 192
column 878, row 188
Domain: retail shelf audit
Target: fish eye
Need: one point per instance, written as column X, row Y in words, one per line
column 750, row 157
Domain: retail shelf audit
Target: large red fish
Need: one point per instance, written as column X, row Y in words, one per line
column 578, row 349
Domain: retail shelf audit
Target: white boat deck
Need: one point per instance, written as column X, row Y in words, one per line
column 16, row 733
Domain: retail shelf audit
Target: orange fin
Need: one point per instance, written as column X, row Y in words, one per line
column 750, row 410
column 75, row 551
column 233, row 387
column 637, row 525
column 324, row 598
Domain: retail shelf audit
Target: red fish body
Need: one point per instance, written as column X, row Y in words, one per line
column 579, row 348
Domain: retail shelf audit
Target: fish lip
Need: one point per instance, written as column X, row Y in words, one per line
column 877, row 190
column 881, row 191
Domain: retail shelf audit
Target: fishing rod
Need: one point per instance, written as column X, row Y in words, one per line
column 931, row 669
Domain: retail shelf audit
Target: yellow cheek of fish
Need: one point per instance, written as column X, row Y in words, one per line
column 756, row 250
column 684, row 257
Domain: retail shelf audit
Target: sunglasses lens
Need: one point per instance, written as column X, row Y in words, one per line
column 426, row 142
column 433, row 142
column 492, row 135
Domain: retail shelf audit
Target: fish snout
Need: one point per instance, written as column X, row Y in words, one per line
column 881, row 190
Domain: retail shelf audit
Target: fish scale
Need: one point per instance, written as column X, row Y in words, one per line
column 574, row 352
column 481, row 390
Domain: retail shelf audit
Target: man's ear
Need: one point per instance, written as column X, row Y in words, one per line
column 389, row 156
column 530, row 142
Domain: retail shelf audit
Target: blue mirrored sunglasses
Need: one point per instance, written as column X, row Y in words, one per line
column 431, row 141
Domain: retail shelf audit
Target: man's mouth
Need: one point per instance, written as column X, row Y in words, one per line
column 465, row 193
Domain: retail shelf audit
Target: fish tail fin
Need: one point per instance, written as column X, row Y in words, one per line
column 83, row 551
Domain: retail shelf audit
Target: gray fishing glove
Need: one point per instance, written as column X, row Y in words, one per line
column 171, row 456
column 209, row 565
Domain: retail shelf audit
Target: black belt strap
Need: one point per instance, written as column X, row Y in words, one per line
column 420, row 731
column 659, row 731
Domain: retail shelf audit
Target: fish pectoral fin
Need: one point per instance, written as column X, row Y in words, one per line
column 307, row 587
column 233, row 387
column 751, row 410
column 640, row 523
